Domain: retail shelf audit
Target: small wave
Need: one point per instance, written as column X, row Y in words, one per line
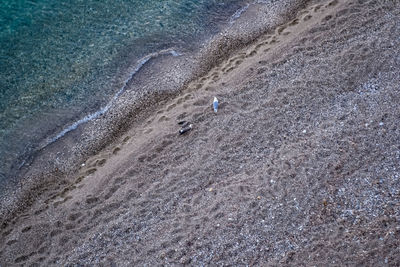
column 104, row 109
column 237, row 14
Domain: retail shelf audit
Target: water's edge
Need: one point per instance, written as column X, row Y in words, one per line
column 60, row 155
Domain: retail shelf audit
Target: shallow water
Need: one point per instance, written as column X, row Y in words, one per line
column 64, row 60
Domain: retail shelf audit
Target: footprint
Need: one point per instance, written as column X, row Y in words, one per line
column 171, row 107
column 215, row 78
column 21, row 259
column 91, row 200
column 163, row 118
column 119, row 180
column 280, row 29
column 201, row 102
column 148, row 131
column 47, row 201
column 166, row 143
column 101, row 162
column 79, row 179
column 41, row 259
column 111, row 192
column 294, row 22
column 55, row 232
column 303, row 12
column 56, row 204
column 42, row 250
column 26, row 229
column 91, row 171
column 199, row 117
column 74, row 216
column 327, row 18
column 342, row 12
column 70, row 226
column 308, row 17
column 40, row 210
column 230, row 69
column 198, row 86
column 116, row 150
column 7, row 232
column 231, row 60
column 66, row 190
column 252, row 53
column 182, row 116
column 260, row 45
column 333, row 3
column 141, row 159
column 238, row 62
column 261, row 70
column 317, row 8
column 13, row 241
column 151, row 157
column 209, row 88
column 126, row 139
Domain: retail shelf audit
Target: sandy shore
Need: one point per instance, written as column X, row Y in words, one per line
column 300, row 166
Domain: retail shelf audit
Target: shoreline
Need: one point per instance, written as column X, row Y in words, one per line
column 299, row 164
column 240, row 31
column 87, row 91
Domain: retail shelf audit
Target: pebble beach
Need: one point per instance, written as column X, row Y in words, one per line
column 300, row 166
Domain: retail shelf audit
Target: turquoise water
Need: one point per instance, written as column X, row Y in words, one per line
column 63, row 60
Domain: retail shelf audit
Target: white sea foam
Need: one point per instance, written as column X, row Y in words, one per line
column 103, row 110
column 237, row 14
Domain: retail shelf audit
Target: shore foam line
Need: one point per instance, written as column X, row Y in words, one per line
column 140, row 64
column 103, row 110
column 238, row 13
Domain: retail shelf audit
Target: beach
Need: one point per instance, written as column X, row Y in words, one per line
column 299, row 166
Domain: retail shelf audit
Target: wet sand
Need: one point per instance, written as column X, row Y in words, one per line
column 299, row 166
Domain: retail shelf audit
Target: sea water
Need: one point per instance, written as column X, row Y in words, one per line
column 61, row 62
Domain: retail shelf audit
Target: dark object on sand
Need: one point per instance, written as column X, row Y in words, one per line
column 184, row 123
column 185, row 128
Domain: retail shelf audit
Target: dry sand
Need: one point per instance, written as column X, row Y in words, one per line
column 300, row 166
